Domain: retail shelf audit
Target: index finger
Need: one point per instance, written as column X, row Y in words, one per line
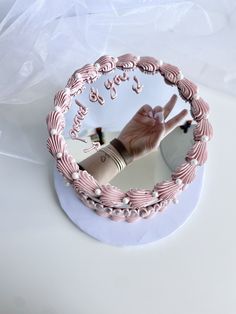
column 173, row 122
column 144, row 109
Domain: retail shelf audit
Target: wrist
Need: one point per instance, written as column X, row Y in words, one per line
column 114, row 155
column 122, row 148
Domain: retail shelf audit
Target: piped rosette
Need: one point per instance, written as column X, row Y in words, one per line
column 117, row 214
column 199, row 109
column 142, row 198
column 88, row 202
column 186, row 172
column 203, row 131
column 62, row 100
column 171, row 73
column 133, row 215
column 127, row 61
column 68, row 167
column 87, row 73
column 106, row 64
column 198, row 152
column 56, row 145
column 167, row 191
column 55, row 122
column 148, row 212
column 112, row 196
column 75, row 84
column 187, row 89
column 86, row 184
column 148, row 65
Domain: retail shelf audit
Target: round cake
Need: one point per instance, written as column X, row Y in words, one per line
column 105, row 199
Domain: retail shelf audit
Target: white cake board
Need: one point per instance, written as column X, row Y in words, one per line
column 123, row 233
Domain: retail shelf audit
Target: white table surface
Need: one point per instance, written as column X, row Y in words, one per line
column 47, row 265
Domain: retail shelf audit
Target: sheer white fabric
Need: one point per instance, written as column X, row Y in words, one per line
column 43, row 42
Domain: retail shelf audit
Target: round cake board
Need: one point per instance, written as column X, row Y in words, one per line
column 128, row 234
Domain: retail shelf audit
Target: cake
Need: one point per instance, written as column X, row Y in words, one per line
column 107, row 200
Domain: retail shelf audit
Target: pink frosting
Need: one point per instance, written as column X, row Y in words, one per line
column 111, row 196
column 90, row 203
column 99, row 208
column 147, row 212
column 117, row 215
column 103, row 211
column 148, row 65
column 107, row 63
column 133, row 216
column 78, row 118
column 198, row 152
column 89, row 73
column 141, row 198
column 167, row 190
column 127, row 61
column 75, row 84
column 62, row 99
column 202, row 128
column 55, row 120
column 185, row 172
column 144, row 212
column 67, row 165
column 199, row 109
column 86, row 183
column 187, row 89
column 171, row 73
column 56, row 144
column 164, row 203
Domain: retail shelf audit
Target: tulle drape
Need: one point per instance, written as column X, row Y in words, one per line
column 43, row 42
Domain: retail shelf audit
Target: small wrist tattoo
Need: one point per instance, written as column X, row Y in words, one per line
column 103, row 158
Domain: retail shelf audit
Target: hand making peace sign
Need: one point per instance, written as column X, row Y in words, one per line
column 144, row 132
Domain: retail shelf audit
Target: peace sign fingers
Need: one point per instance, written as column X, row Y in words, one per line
column 173, row 122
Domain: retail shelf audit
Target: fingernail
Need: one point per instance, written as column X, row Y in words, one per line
column 150, row 114
column 159, row 116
